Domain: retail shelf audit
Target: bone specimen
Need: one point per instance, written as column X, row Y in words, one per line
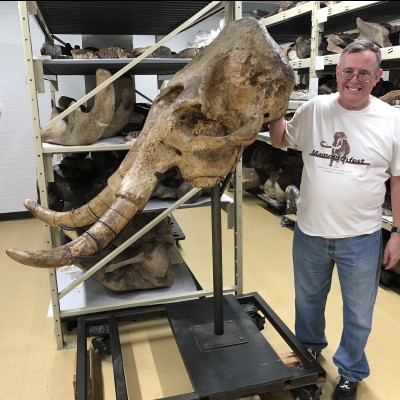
column 144, row 265
column 106, row 52
column 377, row 33
column 112, row 109
column 199, row 124
column 124, row 104
column 80, row 127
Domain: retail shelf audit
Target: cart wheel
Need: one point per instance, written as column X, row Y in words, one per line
column 101, row 345
column 309, row 392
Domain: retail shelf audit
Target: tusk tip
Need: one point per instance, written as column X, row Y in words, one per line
column 29, row 204
column 21, row 256
column 40, row 259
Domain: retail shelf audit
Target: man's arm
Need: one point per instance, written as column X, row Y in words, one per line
column 276, row 133
column 392, row 251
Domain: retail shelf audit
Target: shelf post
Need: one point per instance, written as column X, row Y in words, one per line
column 40, row 159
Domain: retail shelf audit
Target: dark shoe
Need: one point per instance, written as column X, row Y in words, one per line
column 345, row 390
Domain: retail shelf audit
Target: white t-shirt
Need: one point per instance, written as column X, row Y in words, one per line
column 348, row 156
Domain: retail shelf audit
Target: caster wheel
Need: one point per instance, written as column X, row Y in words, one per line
column 101, row 345
column 252, row 312
column 71, row 325
column 309, row 392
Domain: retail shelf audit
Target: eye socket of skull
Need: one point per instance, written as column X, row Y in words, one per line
column 187, row 109
column 170, row 93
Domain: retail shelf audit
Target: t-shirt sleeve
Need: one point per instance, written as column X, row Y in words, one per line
column 295, row 127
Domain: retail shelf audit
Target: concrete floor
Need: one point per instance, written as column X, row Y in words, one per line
column 33, row 369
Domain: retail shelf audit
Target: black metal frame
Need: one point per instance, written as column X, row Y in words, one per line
column 230, row 341
column 307, row 373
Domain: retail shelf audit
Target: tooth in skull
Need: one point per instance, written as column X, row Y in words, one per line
column 200, row 124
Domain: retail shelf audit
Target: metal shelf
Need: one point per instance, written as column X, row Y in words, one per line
column 389, row 54
column 305, row 63
column 114, row 143
column 341, row 17
column 308, row 19
column 295, row 22
column 91, row 296
column 148, row 66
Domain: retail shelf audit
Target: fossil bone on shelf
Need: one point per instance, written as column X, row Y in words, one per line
column 109, row 115
column 199, row 123
column 84, row 127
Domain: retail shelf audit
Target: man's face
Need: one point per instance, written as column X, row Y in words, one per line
column 354, row 93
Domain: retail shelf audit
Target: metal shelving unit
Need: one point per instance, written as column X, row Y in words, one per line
column 47, row 14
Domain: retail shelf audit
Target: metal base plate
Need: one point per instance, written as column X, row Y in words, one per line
column 208, row 340
column 225, row 371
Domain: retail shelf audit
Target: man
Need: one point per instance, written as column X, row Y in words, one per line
column 350, row 144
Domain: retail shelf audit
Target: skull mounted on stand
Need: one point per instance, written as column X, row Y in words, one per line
column 200, row 124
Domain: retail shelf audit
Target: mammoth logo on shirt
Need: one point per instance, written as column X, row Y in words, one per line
column 340, row 148
column 339, row 153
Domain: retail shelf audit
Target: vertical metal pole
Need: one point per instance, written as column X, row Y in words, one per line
column 217, row 259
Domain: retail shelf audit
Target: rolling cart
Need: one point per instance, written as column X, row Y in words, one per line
column 219, row 340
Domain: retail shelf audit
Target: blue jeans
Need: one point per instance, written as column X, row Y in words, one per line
column 358, row 261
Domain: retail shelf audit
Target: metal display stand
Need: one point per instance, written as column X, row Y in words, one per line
column 214, row 335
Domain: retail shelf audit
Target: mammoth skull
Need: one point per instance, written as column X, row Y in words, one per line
column 199, row 123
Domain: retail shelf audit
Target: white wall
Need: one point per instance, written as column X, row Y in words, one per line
column 17, row 155
column 186, row 38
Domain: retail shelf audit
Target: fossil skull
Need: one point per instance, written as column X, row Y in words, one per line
column 199, row 123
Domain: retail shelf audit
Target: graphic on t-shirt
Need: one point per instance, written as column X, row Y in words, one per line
column 340, row 148
column 339, row 154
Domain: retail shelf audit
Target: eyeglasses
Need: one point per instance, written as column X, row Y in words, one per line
column 361, row 76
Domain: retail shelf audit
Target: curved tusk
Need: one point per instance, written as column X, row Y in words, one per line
column 95, row 239
column 91, row 212
column 86, row 215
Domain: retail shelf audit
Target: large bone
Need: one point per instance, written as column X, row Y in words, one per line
column 123, row 107
column 391, row 97
column 82, row 128
column 199, row 123
column 337, row 43
column 144, row 265
column 374, row 32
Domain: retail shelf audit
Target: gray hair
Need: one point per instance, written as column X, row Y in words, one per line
column 363, row 45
